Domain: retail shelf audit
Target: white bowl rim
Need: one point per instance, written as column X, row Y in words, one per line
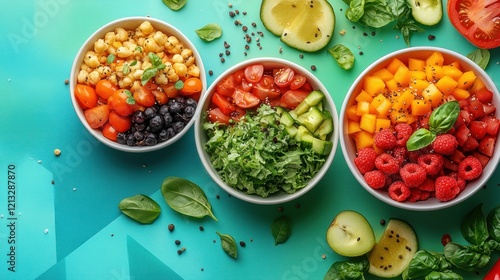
column 159, row 25
column 278, row 197
column 434, row 204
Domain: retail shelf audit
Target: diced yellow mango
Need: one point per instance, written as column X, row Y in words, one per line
column 432, row 95
column 367, row 122
column 353, row 127
column 435, row 59
column 434, row 73
column 446, row 85
column 373, row 85
column 381, row 104
column 364, row 96
column 363, row 139
column 452, row 71
column 384, row 74
column 420, row 107
column 403, row 101
column 402, row 76
column 420, row 75
column 382, row 123
column 415, row 64
column 477, row 85
column 400, row 116
column 392, row 85
column 456, row 64
column 363, row 108
column 466, row 80
column 351, row 113
column 418, row 85
column 394, row 65
column 460, row 94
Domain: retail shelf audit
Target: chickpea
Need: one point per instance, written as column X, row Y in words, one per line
column 159, row 37
column 91, row 59
column 121, row 34
column 172, row 75
column 137, row 74
column 136, row 85
column 146, row 28
column 180, row 69
column 161, row 78
column 150, row 46
column 193, row 71
column 177, row 58
column 100, row 46
column 82, row 77
column 94, row 77
column 110, row 38
column 123, row 52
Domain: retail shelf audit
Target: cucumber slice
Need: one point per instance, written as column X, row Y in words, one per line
column 311, row 119
column 426, row 12
column 326, row 126
column 286, row 119
column 312, row 99
column 305, row 25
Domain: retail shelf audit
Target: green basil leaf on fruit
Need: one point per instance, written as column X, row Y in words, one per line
column 343, row 56
column 354, row 269
column 480, row 56
column 228, row 245
column 420, row 139
column 148, row 74
column 281, row 229
column 209, row 32
column 474, row 228
column 175, row 4
column 179, row 85
column 141, row 208
column 110, row 58
column 493, row 222
column 186, row 197
column 444, row 117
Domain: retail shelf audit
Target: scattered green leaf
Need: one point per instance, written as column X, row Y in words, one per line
column 141, row 208
column 175, row 4
column 481, row 57
column 130, row 98
column 352, row 269
column 179, row 85
column 209, row 32
column 228, row 245
column 281, row 229
column 150, row 72
column 110, row 58
column 343, row 56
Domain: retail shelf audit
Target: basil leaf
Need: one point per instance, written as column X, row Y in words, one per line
column 481, row 57
column 443, row 275
column 356, row 10
column 351, row 269
column 467, row 258
column 444, row 117
column 179, row 85
column 342, row 55
column 186, row 198
column 154, row 59
column 148, row 74
column 280, row 229
column 130, row 98
column 141, row 208
column 126, row 69
column 228, row 245
column 420, row 139
column 209, row 32
column 474, row 227
column 376, row 14
column 110, row 58
column 175, row 4
column 493, row 223
column 423, row 263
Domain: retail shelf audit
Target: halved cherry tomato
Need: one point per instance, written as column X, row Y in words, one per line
column 494, row 273
column 122, row 102
column 284, row 77
column 298, row 81
column 119, row 122
column 266, row 89
column 477, row 21
column 245, row 99
column 160, row 95
column 223, row 103
column 97, row 116
column 144, row 96
column 109, row 132
column 105, row 88
column 170, row 90
column 292, row 98
column 238, row 114
column 253, row 73
column 226, row 86
column 216, row 115
column 191, row 86
column 239, row 75
column 86, row 96
column 246, row 85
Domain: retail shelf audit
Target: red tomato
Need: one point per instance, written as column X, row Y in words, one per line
column 477, row 21
column 144, row 96
column 298, row 81
column 246, row 85
column 223, row 103
column 227, row 85
column 122, row 102
column 238, row 114
column 265, row 88
column 105, row 88
column 292, row 98
column 253, row 73
column 160, row 95
column 86, row 96
column 239, row 75
column 191, row 86
column 484, row 95
column 284, row 77
column 216, row 115
column 170, row 90
column 494, row 273
column 109, row 132
column 97, row 116
column 245, row 99
column 118, row 122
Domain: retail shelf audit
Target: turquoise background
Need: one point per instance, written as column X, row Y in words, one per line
column 68, row 224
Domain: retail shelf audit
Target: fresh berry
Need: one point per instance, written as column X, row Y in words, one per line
column 461, row 182
column 385, row 139
column 403, row 133
column 365, row 160
column 399, row 191
column 375, row 179
column 415, row 194
column 432, row 163
column 400, row 154
column 413, row 174
column 470, row 168
column 387, row 164
column 445, row 144
column 446, row 188
column 427, row 185
column 425, row 195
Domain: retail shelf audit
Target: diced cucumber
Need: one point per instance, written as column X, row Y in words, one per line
column 286, row 119
column 302, row 108
column 292, row 131
column 307, row 141
column 321, row 147
column 293, row 113
column 314, row 98
column 326, row 126
column 311, row 119
column 301, row 132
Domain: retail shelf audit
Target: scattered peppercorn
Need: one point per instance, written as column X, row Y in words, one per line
column 301, row 55
column 431, row 37
column 365, row 34
column 231, row 14
column 373, row 33
column 217, row 196
column 177, row 242
column 202, row 269
column 226, row 45
column 222, row 60
column 244, row 28
column 243, row 244
column 52, row 182
column 181, row 250
column 382, row 222
column 360, row 53
column 171, row 227
column 210, row 72
column 281, row 209
column 202, row 228
column 313, row 67
column 254, row 24
column 66, row 81
column 297, row 205
column 228, row 52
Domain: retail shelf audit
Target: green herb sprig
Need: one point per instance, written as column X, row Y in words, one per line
column 281, row 229
column 228, row 245
column 141, row 208
column 150, row 72
column 342, row 55
column 174, row 4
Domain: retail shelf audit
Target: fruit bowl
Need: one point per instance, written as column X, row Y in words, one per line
column 409, row 86
column 129, row 75
column 249, row 152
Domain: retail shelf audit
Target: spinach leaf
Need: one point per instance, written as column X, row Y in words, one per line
column 228, row 245
column 175, row 4
column 406, row 25
column 444, row 117
column 352, row 269
column 467, row 258
column 342, row 55
column 141, row 208
column 480, row 56
column 209, row 32
column 425, row 262
column 281, row 229
column 356, row 10
column 377, row 14
column 444, row 275
column 474, row 227
column 493, row 224
column 420, row 139
column 186, row 197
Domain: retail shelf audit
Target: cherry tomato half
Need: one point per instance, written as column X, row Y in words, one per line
column 223, row 104
column 191, row 86
column 216, row 115
column 144, row 96
column 265, row 88
column 86, row 96
column 291, row 98
column 109, row 131
column 105, row 88
column 226, row 86
column 253, row 73
column 245, row 99
column 284, row 77
column 298, row 81
column 97, row 116
column 119, row 122
column 122, row 102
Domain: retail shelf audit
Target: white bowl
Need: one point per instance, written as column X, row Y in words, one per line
column 131, row 23
column 349, row 148
column 201, row 137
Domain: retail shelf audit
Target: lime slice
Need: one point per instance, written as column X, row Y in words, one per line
column 306, row 25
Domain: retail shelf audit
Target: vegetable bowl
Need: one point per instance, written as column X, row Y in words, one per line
column 268, row 132
column 419, row 128
column 135, row 84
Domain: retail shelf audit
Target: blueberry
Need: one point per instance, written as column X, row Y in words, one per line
column 178, row 126
column 138, row 117
column 150, row 112
column 121, row 138
column 191, row 102
column 150, row 139
column 167, row 120
column 163, row 110
column 175, row 108
column 139, row 127
column 138, row 136
column 130, row 140
column 156, row 123
column 188, row 112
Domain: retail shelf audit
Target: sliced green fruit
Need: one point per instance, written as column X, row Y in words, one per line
column 305, row 25
column 394, row 251
column 350, row 234
column 427, row 12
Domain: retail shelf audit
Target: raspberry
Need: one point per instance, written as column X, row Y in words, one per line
column 445, row 144
column 461, row 182
column 403, row 133
column 446, row 188
column 387, row 164
column 413, row 174
column 415, row 194
column 375, row 179
column 470, row 168
column 400, row 154
column 385, row 139
column 365, row 160
column 432, row 163
column 424, row 195
column 427, row 185
column 399, row 191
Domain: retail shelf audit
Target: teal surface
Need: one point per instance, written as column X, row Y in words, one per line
column 65, row 222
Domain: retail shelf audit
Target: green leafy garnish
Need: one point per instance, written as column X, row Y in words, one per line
column 175, row 4
column 281, row 229
column 228, row 245
column 130, row 98
column 110, row 58
column 153, row 70
column 139, row 49
column 352, row 269
column 480, row 56
column 179, row 85
column 342, row 55
column 209, row 32
column 406, row 25
column 441, row 121
column 126, row 67
column 141, row 208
